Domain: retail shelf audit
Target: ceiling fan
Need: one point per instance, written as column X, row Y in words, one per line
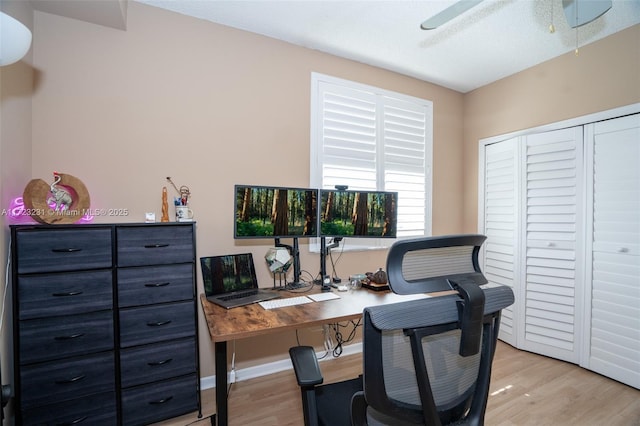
column 577, row 12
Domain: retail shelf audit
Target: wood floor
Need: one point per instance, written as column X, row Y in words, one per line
column 526, row 389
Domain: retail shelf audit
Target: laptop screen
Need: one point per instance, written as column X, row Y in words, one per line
column 224, row 274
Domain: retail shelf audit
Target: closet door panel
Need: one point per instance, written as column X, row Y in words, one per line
column 500, row 223
column 615, row 267
column 552, row 225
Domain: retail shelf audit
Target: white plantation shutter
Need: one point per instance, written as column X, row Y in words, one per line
column 407, row 163
column 371, row 139
column 349, row 135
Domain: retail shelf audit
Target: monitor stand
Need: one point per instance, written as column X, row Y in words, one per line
column 324, row 251
column 294, row 251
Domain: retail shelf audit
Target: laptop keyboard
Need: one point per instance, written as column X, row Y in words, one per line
column 238, row 295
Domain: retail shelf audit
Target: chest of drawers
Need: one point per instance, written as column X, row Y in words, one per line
column 105, row 323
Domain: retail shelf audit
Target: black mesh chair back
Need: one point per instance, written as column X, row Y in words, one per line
column 413, row 370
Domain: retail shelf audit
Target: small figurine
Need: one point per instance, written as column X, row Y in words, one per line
column 60, row 197
column 184, row 195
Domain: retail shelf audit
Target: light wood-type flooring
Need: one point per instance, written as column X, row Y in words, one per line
column 526, row 389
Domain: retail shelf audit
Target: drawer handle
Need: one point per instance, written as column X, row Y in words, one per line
column 161, row 401
column 157, row 284
column 69, row 337
column 70, row 293
column 156, row 245
column 159, row 323
column 73, row 422
column 71, row 380
column 66, row 250
column 156, row 363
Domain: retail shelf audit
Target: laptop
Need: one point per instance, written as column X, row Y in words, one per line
column 230, row 281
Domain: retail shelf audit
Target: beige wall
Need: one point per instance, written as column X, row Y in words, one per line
column 212, row 106
column 604, row 75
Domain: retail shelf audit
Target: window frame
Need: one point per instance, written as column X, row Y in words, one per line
column 318, row 81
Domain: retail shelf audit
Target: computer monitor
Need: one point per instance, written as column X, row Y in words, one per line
column 362, row 214
column 275, row 212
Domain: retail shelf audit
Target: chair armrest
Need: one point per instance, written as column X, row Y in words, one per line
column 305, row 365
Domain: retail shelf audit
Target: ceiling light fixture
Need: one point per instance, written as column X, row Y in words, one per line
column 15, row 40
column 588, row 12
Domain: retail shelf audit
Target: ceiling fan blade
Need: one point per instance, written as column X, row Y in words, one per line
column 579, row 13
column 448, row 14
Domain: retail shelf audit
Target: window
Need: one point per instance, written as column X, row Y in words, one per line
column 372, row 139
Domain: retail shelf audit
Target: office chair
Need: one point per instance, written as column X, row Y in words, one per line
column 425, row 361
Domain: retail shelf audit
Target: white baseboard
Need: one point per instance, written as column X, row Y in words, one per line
column 274, row 367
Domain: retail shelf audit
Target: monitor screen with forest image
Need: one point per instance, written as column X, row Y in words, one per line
column 358, row 213
column 273, row 212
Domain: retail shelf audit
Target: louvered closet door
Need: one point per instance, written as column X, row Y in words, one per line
column 615, row 285
column 500, row 223
column 553, row 278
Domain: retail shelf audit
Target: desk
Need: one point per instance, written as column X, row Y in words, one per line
column 252, row 320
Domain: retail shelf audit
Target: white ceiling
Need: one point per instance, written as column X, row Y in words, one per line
column 491, row 41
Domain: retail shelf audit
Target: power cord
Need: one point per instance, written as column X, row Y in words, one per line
column 5, row 390
column 210, row 418
column 340, row 341
column 232, row 373
column 6, row 285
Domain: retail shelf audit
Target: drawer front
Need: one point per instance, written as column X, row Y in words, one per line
column 57, row 337
column 94, row 410
column 152, row 403
column 64, row 293
column 155, row 284
column 55, row 250
column 154, row 245
column 153, row 324
column 67, row 379
column 152, row 363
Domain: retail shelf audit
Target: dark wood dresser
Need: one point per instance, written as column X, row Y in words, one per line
column 105, row 323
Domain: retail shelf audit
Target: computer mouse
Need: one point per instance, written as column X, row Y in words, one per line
column 343, row 288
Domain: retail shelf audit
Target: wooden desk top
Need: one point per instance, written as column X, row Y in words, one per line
column 254, row 320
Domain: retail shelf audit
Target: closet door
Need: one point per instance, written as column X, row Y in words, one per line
column 499, row 222
column 614, row 344
column 553, row 244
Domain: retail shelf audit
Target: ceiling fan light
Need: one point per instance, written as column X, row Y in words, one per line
column 15, row 40
column 581, row 12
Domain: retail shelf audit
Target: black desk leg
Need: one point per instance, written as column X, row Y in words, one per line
column 222, row 409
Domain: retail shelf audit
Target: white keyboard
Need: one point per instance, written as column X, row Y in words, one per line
column 321, row 297
column 285, row 301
